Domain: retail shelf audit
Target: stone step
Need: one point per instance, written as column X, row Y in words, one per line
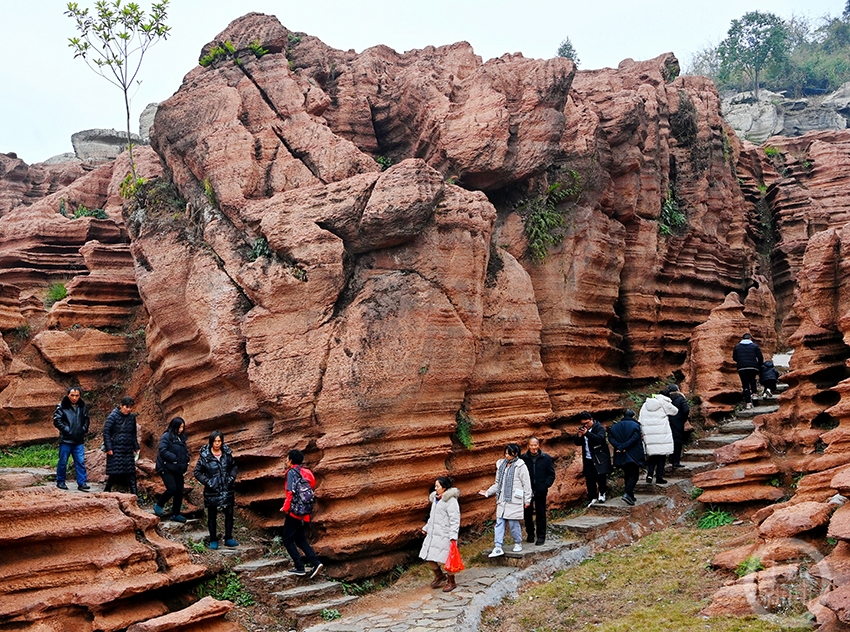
column 312, row 592
column 757, row 409
column 738, row 426
column 245, row 552
column 263, row 566
column 698, row 455
column 718, row 440
column 618, row 507
column 584, row 524
column 310, row 610
column 532, row 553
column 169, row 526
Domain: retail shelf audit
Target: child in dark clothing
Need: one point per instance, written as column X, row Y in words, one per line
column 768, row 377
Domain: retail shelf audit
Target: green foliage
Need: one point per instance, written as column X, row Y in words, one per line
column 63, row 208
column 543, row 219
column 751, row 43
column 209, row 192
column 113, row 42
column 260, row 249
column 775, row 482
column 220, row 51
column 771, row 152
column 257, row 48
column 384, row 162
column 568, row 51
column 158, row 196
column 22, row 332
column 696, row 492
column 463, row 430
column 197, row 546
column 749, row 565
column 672, row 219
column 55, row 292
column 97, row 213
column 714, row 518
column 226, row 586
column 39, row 455
column 330, row 614
column 130, row 186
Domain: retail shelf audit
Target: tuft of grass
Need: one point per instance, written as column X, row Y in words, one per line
column 55, row 293
column 385, row 162
column 226, row 587
column 38, row 455
column 257, row 48
column 260, row 249
column 714, row 518
column 97, row 213
column 209, row 192
column 749, row 565
column 463, row 430
column 330, row 614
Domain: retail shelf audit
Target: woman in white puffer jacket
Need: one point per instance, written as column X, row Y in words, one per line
column 657, row 436
column 441, row 530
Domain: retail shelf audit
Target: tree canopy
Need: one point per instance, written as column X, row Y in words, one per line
column 568, row 51
column 751, row 43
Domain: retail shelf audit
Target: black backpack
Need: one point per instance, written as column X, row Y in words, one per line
column 302, row 497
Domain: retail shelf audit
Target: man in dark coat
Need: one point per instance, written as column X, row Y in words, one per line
column 595, row 457
column 542, row 473
column 71, row 418
column 121, row 445
column 748, row 358
column 625, row 438
column 677, row 423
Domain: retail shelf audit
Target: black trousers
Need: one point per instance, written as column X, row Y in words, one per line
column 130, row 479
column 631, row 472
column 212, row 517
column 748, row 383
column 597, row 484
column 294, row 538
column 537, row 509
column 655, row 466
column 676, row 459
column 173, row 488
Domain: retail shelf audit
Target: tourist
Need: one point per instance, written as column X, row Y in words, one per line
column 441, row 531
column 216, row 470
column 172, row 461
column 513, row 495
column 71, row 418
column 768, row 378
column 541, row 471
column 298, row 507
column 121, row 445
column 625, row 438
column 677, row 423
column 657, row 436
column 748, row 358
column 595, row 457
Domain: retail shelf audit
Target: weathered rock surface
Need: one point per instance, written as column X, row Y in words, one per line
column 97, row 145
column 207, row 615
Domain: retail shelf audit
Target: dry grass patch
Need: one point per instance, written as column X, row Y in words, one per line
column 656, row 585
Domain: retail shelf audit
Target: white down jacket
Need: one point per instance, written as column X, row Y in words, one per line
column 443, row 525
column 655, row 426
column 513, row 508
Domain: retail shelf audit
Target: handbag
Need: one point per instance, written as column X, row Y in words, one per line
column 453, row 562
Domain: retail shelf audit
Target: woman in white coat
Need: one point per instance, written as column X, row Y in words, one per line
column 513, row 494
column 657, row 436
column 441, row 531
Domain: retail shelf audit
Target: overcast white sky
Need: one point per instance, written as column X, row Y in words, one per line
column 46, row 95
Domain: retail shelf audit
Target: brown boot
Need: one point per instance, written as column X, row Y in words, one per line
column 439, row 577
column 450, row 584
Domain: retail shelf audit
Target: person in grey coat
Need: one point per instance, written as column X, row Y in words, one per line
column 513, row 495
column 441, row 530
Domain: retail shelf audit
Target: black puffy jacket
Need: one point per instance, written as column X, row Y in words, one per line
column 73, row 424
column 747, row 355
column 217, row 475
column 677, row 421
column 119, row 435
column 172, row 455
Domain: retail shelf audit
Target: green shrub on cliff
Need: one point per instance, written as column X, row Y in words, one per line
column 543, row 217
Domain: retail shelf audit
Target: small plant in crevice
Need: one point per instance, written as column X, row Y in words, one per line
column 63, row 208
column 543, row 218
column 714, row 518
column 330, row 614
column 257, row 48
column 463, row 430
column 226, row 586
column 385, row 162
column 55, row 293
column 97, row 213
column 749, row 565
column 209, row 192
column 260, row 248
column 293, row 39
column 771, row 152
column 672, row 220
column 696, row 492
column 221, row 51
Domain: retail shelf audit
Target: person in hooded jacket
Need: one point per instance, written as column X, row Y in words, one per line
column 172, row 461
column 541, row 470
column 595, row 457
column 768, row 378
column 216, row 470
column 71, row 419
column 512, row 488
column 625, row 437
column 441, row 530
column 677, row 423
column 293, row 534
column 657, row 436
column 121, row 445
column 748, row 357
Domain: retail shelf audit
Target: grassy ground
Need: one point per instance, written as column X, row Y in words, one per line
column 656, row 585
column 41, row 455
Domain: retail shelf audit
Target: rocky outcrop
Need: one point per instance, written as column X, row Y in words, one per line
column 22, row 184
column 98, row 145
column 107, row 572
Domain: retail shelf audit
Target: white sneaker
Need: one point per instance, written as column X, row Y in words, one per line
column 497, row 552
column 767, row 393
column 748, row 406
column 591, row 503
column 517, row 547
column 602, row 498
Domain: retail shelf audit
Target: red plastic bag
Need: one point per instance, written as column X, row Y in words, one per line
column 453, row 563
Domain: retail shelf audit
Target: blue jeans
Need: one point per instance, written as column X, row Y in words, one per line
column 499, row 531
column 79, row 452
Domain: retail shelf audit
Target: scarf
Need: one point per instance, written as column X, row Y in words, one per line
column 505, row 467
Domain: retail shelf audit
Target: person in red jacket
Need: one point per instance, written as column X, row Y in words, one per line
column 293, row 535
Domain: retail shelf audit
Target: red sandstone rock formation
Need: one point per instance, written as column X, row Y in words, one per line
column 102, row 577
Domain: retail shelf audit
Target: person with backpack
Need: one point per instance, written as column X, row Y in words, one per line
column 298, row 507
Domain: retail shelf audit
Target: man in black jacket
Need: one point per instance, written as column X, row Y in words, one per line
column 749, row 359
column 595, row 457
column 677, row 423
column 71, row 418
column 542, row 473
